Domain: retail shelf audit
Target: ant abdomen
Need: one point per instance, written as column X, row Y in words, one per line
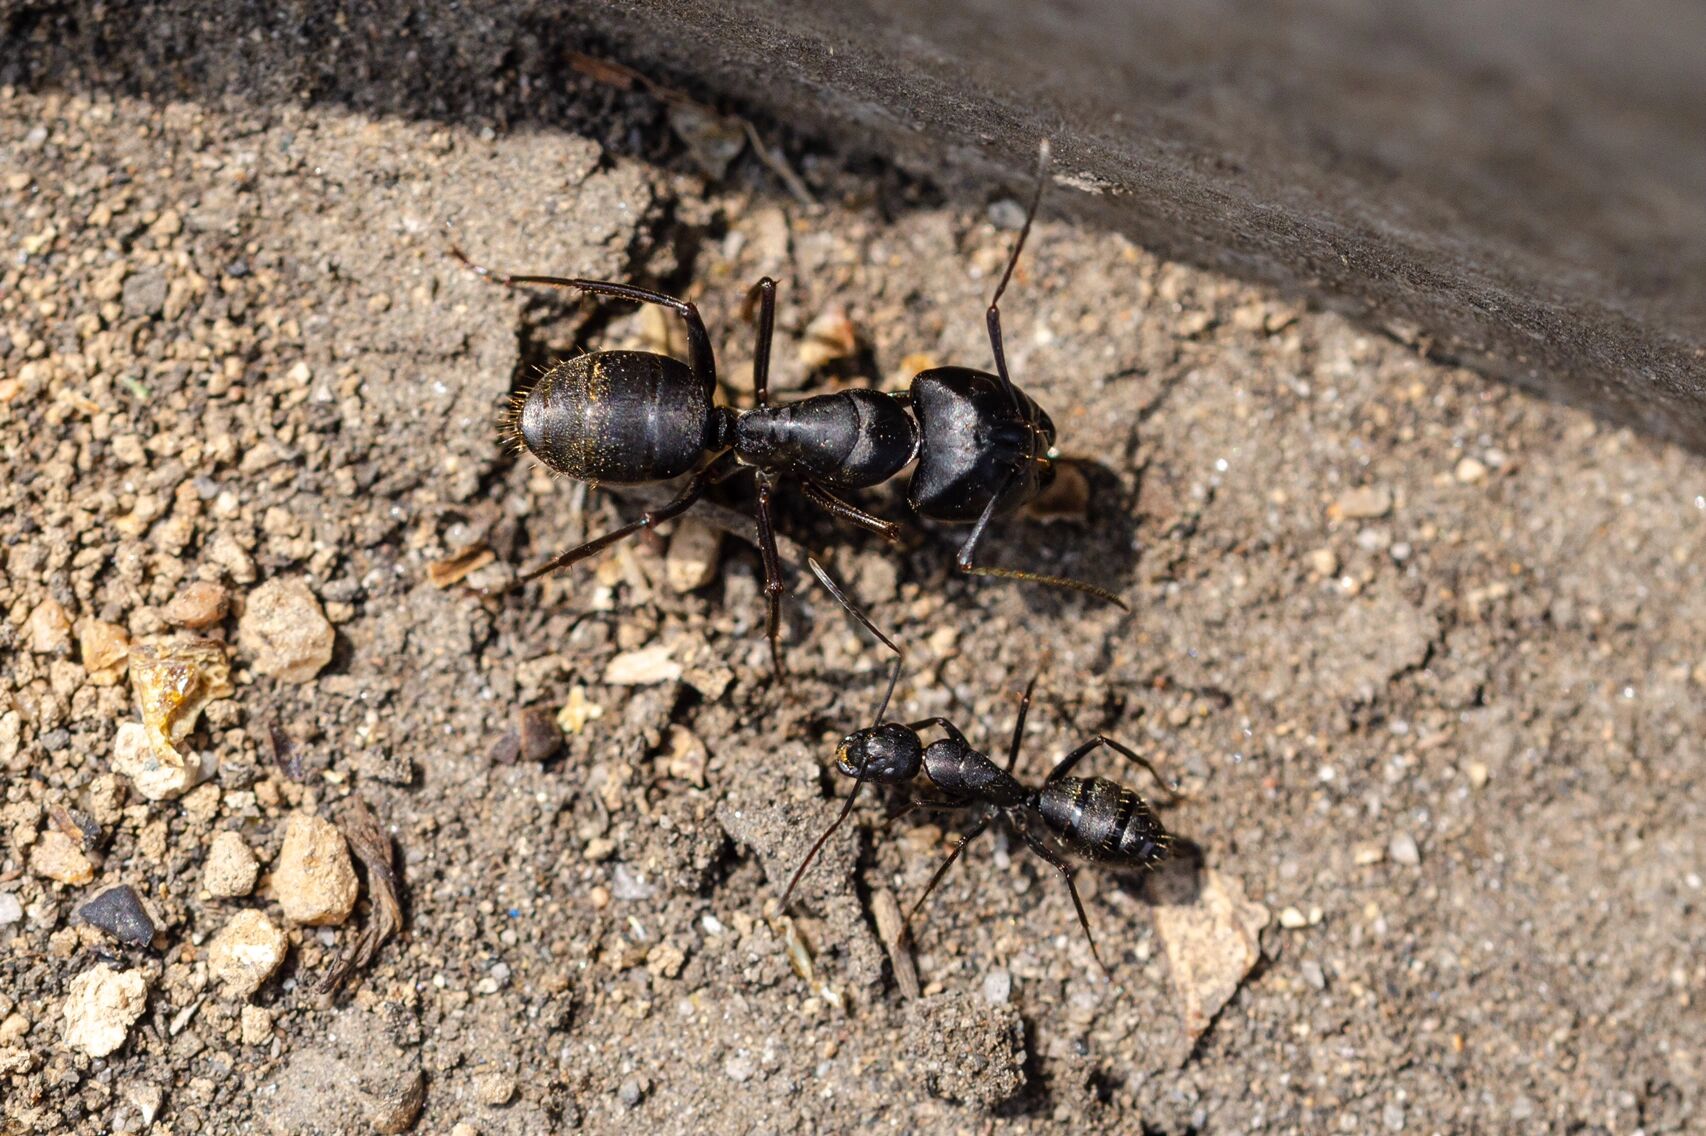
column 1102, row 821
column 852, row 439
column 621, row 417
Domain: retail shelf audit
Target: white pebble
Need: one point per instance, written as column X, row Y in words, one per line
column 1403, row 850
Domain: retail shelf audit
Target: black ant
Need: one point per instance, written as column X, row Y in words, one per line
column 1092, row 818
column 633, row 417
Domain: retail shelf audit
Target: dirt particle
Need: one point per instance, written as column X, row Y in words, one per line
column 314, row 880
column 1363, row 503
column 119, row 912
column 103, row 648
column 1402, row 848
column 396, row 1109
column 285, row 629
column 643, row 666
column 198, row 605
column 245, row 953
column 255, row 1023
column 231, row 867
column 58, row 857
column 691, row 562
column 1212, row 939
column 100, row 1007
column 49, row 628
column 1470, row 471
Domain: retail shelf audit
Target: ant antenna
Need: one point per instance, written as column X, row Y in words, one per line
column 1043, row 154
column 877, row 720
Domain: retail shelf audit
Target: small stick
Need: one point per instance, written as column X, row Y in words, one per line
column 886, row 911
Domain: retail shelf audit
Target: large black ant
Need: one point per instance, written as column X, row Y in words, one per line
column 1092, row 818
column 633, row 417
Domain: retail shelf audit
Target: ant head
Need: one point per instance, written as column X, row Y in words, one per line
column 889, row 753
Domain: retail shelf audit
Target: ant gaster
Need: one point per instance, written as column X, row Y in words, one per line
column 1091, row 818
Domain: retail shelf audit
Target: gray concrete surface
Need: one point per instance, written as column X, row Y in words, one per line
column 1521, row 187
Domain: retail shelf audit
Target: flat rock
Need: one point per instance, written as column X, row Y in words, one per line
column 100, row 1007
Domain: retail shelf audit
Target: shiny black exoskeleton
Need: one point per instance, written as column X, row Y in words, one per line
column 986, row 447
column 633, row 417
column 1092, row 818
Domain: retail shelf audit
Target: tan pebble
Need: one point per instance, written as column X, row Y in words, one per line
column 168, row 224
column 50, row 628
column 174, row 680
column 665, row 960
column 231, row 867
column 1366, row 854
column 1364, row 503
column 104, row 647
column 830, row 336
column 13, row 1029
column 136, row 758
column 245, row 953
column 286, row 631
column 201, row 604
column 256, row 1024
column 577, row 711
column 1291, row 919
column 1469, row 471
column 57, row 857
column 1478, row 774
column 691, row 562
column 100, row 1007
column 397, row 1108
column 643, row 667
column 463, row 1128
column 1323, row 562
column 494, row 1089
column 314, row 880
column 599, row 897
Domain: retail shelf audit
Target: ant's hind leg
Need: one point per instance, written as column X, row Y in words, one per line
column 976, row 831
column 698, row 341
column 1064, row 766
column 772, row 571
column 1065, row 871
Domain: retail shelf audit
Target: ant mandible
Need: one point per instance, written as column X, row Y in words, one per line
column 1091, row 818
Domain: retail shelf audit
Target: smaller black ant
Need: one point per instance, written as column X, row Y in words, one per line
column 1092, row 818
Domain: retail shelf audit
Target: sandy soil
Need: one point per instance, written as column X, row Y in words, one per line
column 1421, row 651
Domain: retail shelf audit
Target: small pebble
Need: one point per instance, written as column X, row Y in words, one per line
column 1403, row 850
column 691, row 562
column 245, row 953
column 740, row 1068
column 119, row 912
column 627, row 884
column 1478, row 775
column 285, row 629
column 1470, row 471
column 998, row 986
column 103, row 647
column 399, row 1106
column 1291, row 919
column 1366, row 854
column 100, row 1007
column 231, row 867
column 1365, row 503
column 256, row 1025
column 643, row 667
column 494, row 1089
column 1313, row 974
column 1324, row 562
column 49, row 628
column 540, row 738
column 630, row 1094
column 135, row 757
column 57, row 857
column 314, row 880
column 199, row 605
column 11, row 910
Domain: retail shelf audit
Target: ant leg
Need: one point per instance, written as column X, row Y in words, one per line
column 1065, row 871
column 851, row 609
column 698, row 342
column 765, row 291
column 963, row 561
column 993, row 316
column 772, row 570
column 852, row 514
column 976, row 831
column 858, row 784
column 1066, row 763
column 683, row 501
column 947, row 727
column 1019, row 725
